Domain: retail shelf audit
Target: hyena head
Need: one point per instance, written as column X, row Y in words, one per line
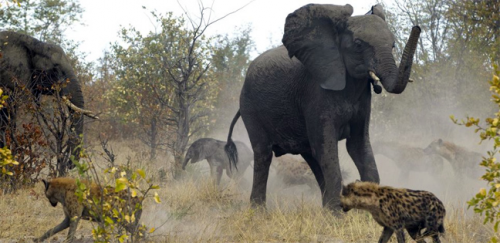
column 439, row 147
column 50, row 193
column 358, row 194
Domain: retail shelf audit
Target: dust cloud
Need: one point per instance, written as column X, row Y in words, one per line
column 402, row 119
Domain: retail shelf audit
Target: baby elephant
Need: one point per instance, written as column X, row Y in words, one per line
column 397, row 209
column 213, row 151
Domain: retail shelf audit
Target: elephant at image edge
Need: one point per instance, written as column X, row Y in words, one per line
column 213, row 151
column 37, row 65
column 305, row 96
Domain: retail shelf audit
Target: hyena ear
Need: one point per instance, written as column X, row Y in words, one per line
column 440, row 141
column 46, row 184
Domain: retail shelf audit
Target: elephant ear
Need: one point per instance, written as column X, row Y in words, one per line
column 378, row 10
column 312, row 36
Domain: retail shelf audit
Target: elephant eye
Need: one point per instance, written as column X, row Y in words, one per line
column 358, row 43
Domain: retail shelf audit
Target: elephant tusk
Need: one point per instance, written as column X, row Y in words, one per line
column 373, row 76
column 376, row 87
column 78, row 109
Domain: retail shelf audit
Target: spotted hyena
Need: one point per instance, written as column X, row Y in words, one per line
column 409, row 159
column 463, row 161
column 397, row 209
column 62, row 190
column 293, row 170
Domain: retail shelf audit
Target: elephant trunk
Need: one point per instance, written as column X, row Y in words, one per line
column 393, row 79
column 186, row 160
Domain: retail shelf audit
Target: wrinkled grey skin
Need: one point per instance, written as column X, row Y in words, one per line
column 301, row 98
column 409, row 159
column 213, row 151
column 37, row 65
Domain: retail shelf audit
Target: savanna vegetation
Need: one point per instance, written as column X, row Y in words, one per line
column 157, row 92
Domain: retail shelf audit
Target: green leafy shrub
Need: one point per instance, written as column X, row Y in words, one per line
column 6, row 159
column 118, row 206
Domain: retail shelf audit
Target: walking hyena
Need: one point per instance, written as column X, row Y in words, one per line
column 397, row 209
column 62, row 190
column 463, row 161
column 408, row 158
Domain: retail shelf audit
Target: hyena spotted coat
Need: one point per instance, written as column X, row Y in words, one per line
column 463, row 161
column 62, row 190
column 397, row 209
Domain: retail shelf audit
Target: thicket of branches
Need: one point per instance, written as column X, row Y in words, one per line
column 39, row 133
column 158, row 88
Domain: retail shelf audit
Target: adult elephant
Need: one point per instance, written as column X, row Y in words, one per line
column 301, row 98
column 26, row 62
column 213, row 151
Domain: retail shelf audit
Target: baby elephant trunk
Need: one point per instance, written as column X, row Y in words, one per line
column 186, row 160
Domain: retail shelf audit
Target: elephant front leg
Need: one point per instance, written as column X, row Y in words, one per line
column 360, row 150
column 325, row 152
column 316, row 169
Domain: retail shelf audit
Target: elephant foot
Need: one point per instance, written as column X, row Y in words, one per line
column 258, row 202
column 260, row 208
column 332, row 205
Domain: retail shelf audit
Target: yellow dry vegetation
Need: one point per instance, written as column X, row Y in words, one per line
column 194, row 210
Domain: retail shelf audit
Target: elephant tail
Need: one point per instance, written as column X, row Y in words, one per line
column 230, row 148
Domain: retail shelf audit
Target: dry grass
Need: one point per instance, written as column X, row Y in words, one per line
column 193, row 210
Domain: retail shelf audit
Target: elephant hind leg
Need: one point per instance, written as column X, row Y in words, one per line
column 218, row 174
column 262, row 162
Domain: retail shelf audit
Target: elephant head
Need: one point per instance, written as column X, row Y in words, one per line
column 39, row 65
column 200, row 150
column 332, row 45
column 193, row 155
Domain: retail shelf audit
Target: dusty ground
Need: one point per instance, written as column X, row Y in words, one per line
column 194, row 211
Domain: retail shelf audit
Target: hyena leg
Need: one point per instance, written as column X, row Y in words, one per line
column 386, row 235
column 432, row 229
column 73, row 224
column 400, row 235
column 415, row 234
column 435, row 238
column 62, row 226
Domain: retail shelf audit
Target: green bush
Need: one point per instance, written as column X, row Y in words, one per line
column 122, row 191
